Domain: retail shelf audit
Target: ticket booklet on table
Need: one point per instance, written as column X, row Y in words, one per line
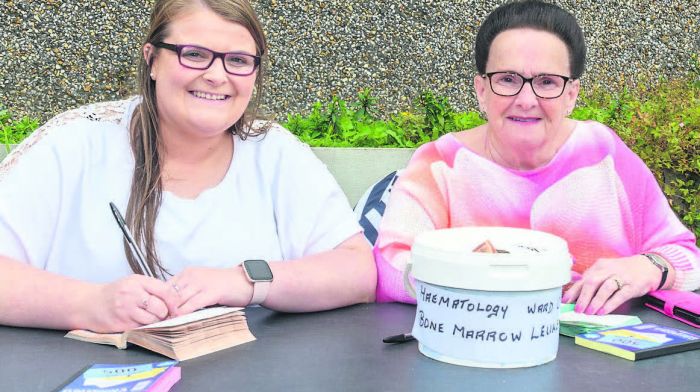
column 640, row 341
column 181, row 338
column 146, row 377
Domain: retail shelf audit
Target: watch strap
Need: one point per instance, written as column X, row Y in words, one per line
column 260, row 290
column 661, row 264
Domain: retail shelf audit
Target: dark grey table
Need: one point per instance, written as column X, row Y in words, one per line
column 341, row 350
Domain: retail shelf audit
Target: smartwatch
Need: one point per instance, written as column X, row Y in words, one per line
column 661, row 264
column 259, row 274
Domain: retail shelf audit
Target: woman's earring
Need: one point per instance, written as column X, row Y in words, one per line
column 153, row 76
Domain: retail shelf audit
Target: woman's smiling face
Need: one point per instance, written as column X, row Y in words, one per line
column 525, row 122
column 201, row 103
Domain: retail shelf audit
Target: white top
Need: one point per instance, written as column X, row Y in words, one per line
column 276, row 202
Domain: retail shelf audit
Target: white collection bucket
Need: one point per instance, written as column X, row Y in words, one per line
column 495, row 310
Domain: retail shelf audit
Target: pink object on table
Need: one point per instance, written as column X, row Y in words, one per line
column 683, row 306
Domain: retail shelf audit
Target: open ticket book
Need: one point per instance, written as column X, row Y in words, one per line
column 181, row 338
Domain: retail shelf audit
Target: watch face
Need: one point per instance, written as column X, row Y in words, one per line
column 657, row 261
column 258, row 270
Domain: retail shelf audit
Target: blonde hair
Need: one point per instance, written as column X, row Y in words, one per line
column 146, row 186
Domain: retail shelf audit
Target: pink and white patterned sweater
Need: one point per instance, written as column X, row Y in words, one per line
column 595, row 193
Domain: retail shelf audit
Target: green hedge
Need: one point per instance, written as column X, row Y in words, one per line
column 337, row 123
column 13, row 131
column 660, row 122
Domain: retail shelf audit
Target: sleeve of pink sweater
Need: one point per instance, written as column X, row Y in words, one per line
column 416, row 205
column 657, row 228
column 597, row 194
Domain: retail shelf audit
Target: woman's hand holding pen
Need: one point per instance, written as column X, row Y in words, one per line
column 199, row 287
column 131, row 302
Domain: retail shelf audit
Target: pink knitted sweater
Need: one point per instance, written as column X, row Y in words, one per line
column 595, row 193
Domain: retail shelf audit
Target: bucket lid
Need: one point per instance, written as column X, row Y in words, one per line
column 535, row 260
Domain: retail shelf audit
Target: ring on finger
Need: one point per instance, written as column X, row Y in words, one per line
column 619, row 283
column 176, row 288
column 144, row 303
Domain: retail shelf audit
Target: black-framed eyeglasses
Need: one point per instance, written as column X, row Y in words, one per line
column 197, row 57
column 508, row 84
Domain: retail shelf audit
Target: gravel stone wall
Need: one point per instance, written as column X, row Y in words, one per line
column 59, row 54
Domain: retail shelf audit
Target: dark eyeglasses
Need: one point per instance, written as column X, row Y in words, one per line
column 508, row 84
column 197, row 57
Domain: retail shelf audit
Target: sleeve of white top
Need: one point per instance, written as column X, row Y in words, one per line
column 312, row 212
column 34, row 191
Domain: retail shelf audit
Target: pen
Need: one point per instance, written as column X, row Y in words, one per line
column 401, row 338
column 129, row 238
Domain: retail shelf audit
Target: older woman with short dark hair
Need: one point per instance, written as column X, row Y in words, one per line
column 530, row 166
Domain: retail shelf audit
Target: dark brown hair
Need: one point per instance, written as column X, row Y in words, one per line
column 536, row 15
